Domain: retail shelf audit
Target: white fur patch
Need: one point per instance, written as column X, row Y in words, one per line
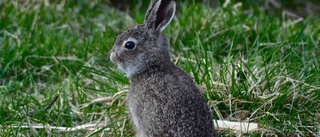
column 132, row 67
column 129, row 70
column 112, row 57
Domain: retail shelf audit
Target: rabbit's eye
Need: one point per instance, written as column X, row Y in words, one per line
column 130, row 45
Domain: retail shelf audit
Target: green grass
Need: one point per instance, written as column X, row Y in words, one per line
column 251, row 66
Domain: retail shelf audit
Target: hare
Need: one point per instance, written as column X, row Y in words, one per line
column 163, row 100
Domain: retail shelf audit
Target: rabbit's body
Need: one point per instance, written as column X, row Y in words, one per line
column 168, row 104
column 163, row 100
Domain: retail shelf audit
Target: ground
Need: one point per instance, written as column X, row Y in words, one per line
column 252, row 65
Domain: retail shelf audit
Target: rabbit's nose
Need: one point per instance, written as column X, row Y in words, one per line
column 113, row 57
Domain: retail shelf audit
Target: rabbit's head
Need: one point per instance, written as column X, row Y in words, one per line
column 144, row 47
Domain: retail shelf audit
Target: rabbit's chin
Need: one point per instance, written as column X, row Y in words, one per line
column 133, row 69
column 130, row 67
column 130, row 70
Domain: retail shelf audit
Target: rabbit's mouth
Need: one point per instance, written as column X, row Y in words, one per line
column 116, row 60
column 114, row 57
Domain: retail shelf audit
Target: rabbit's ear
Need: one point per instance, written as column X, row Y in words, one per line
column 159, row 14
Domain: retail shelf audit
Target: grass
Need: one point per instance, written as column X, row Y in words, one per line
column 55, row 72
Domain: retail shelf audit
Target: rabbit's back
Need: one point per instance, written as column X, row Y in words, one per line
column 168, row 103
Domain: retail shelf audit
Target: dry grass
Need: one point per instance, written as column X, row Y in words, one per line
column 56, row 78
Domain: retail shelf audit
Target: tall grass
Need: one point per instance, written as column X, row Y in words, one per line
column 56, row 78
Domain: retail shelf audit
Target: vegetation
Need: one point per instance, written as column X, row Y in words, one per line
column 56, row 78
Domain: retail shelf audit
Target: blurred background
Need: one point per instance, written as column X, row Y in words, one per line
column 294, row 7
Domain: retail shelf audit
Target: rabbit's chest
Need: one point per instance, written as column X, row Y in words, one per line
column 133, row 112
column 143, row 103
column 135, row 108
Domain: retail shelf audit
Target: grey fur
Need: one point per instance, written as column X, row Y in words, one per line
column 163, row 100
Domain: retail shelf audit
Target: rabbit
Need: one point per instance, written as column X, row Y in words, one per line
column 163, row 101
